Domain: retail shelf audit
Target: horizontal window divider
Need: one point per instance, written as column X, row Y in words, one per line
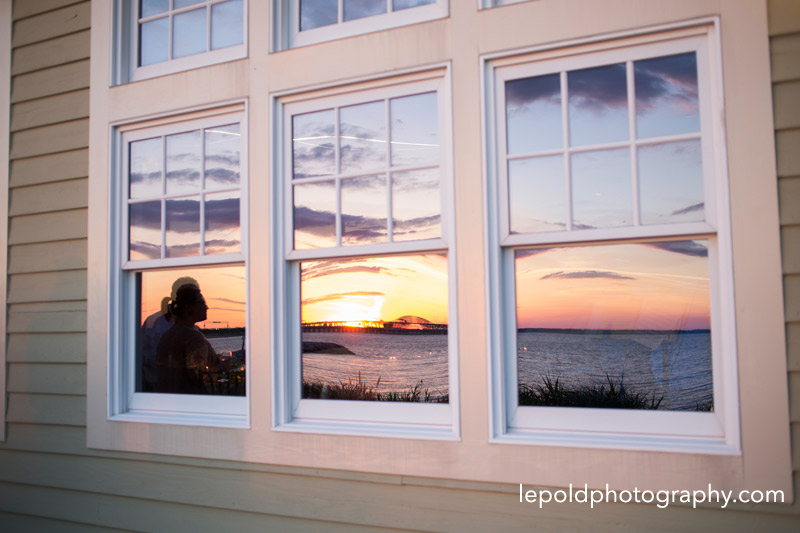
column 692, row 230
column 376, row 172
column 369, row 429
column 606, row 146
column 179, row 195
column 405, row 247
column 193, row 260
column 179, row 10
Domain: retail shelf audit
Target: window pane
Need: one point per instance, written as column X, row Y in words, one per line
column 405, row 4
column 666, row 96
column 315, row 215
column 615, row 326
column 363, row 137
column 183, row 227
column 154, row 41
column 145, row 168
column 223, row 224
column 671, row 183
column 415, row 137
column 178, row 4
column 184, row 348
column 316, row 13
column 598, row 105
column 356, row 9
column 148, row 8
column 223, row 145
column 537, row 195
column 375, row 328
column 533, row 114
column 602, row 195
column 364, row 210
column 189, row 33
column 313, row 148
column 227, row 26
column 144, row 234
column 183, row 162
column 416, row 205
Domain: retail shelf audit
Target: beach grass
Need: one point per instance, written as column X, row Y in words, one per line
column 358, row 389
column 612, row 394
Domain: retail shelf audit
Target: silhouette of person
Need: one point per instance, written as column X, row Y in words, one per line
column 184, row 355
column 153, row 328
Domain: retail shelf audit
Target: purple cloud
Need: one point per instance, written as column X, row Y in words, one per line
column 585, row 274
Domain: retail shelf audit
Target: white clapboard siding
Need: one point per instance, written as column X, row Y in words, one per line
column 72, row 47
column 50, row 167
column 58, row 196
column 58, row 409
column 46, row 227
column 51, row 24
column 39, row 347
column 50, row 110
column 47, row 256
column 54, row 80
column 42, row 378
column 59, row 137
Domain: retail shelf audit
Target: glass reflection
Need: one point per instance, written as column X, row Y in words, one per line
column 222, row 152
column 364, row 210
column 224, row 292
column 356, row 9
column 671, row 183
column 598, row 105
column 315, row 215
column 178, row 4
column 223, row 224
column 183, row 227
column 148, row 8
column 586, row 323
column 189, row 33
column 316, row 13
column 183, row 162
column 666, row 96
column 313, row 148
column 416, row 205
column 405, row 4
column 537, row 195
column 362, row 133
column 144, row 233
column 153, row 41
column 375, row 328
column 415, row 139
column 533, row 114
column 227, row 24
column 602, row 194
column 145, row 168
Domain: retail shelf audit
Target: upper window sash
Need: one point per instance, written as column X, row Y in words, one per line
column 336, row 26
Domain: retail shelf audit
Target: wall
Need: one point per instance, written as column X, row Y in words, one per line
column 49, row 480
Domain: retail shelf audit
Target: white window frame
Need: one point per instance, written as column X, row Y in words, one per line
column 290, row 411
column 5, row 117
column 287, row 21
column 127, row 45
column 714, row 432
column 125, row 403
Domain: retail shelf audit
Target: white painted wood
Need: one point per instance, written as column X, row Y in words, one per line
column 47, row 378
column 72, row 47
column 51, row 138
column 51, row 24
column 50, row 110
column 47, row 347
column 46, row 227
column 51, row 81
column 48, row 168
column 58, row 196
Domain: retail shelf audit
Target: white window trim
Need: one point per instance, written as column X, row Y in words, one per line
column 5, row 115
column 127, row 44
column 716, row 432
column 287, row 18
column 124, row 402
column 290, row 411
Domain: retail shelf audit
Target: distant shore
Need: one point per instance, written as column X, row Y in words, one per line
column 615, row 331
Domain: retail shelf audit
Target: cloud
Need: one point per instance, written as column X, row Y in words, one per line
column 236, row 302
column 690, row 248
column 675, row 76
column 688, row 209
column 223, row 175
column 184, row 177
column 528, row 90
column 220, row 246
column 598, row 88
column 148, row 250
column 414, row 225
column 330, row 268
column 144, row 179
column 341, row 296
column 530, row 252
column 585, row 274
column 222, row 214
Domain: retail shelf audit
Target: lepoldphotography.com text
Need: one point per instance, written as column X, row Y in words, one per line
column 661, row 498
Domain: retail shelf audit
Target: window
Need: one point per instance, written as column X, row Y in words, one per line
column 366, row 285
column 313, row 21
column 181, row 313
column 611, row 227
column 162, row 36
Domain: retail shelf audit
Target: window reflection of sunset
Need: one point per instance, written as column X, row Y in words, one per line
column 623, row 286
column 376, row 288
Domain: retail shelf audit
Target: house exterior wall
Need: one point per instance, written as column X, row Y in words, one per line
column 50, row 480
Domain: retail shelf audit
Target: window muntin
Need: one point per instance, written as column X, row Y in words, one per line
column 367, row 267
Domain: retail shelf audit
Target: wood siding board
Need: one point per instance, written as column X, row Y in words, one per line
column 783, row 16
column 794, row 396
column 29, row 8
column 47, row 347
column 27, row 258
column 59, row 409
column 66, row 49
column 789, row 190
column 64, row 107
column 50, row 168
column 787, row 105
column 785, row 54
column 47, row 227
column 58, row 196
column 793, row 346
column 788, row 148
column 47, row 322
column 51, row 81
column 47, row 286
column 49, row 139
column 33, row 524
column 790, row 246
column 44, row 378
column 791, row 284
column 51, row 24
